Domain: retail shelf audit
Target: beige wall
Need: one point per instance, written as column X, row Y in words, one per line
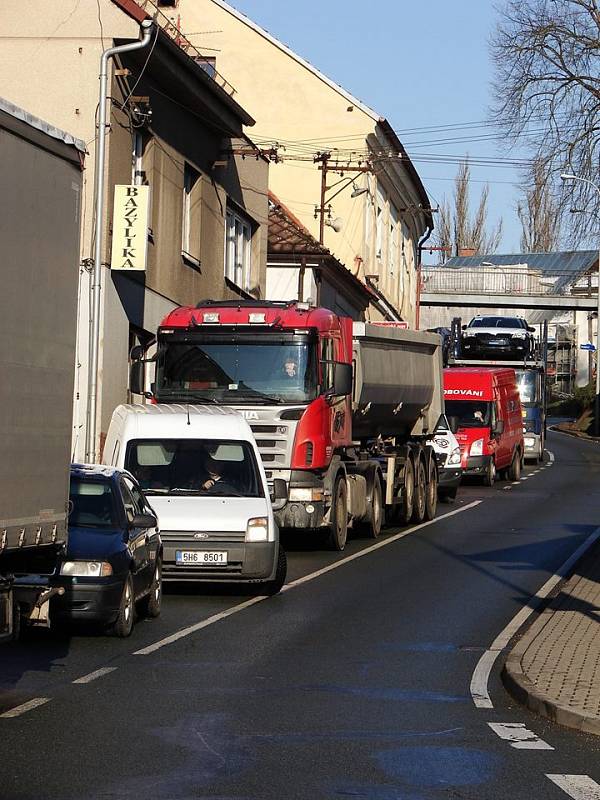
column 290, row 102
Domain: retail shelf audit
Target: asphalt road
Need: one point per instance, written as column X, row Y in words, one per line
column 352, row 684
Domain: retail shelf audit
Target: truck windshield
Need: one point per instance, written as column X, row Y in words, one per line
column 208, row 467
column 527, row 385
column 470, row 413
column 237, row 371
column 91, row 504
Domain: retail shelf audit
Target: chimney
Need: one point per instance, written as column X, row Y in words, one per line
column 465, row 252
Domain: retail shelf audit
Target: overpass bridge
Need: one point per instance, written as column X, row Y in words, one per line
column 546, row 302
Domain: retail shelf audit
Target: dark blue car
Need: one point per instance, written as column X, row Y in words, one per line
column 112, row 567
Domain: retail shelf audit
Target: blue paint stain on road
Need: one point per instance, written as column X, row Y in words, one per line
column 438, row 766
column 421, row 647
column 392, row 693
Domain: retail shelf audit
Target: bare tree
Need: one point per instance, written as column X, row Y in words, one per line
column 547, row 92
column 456, row 230
column 539, row 213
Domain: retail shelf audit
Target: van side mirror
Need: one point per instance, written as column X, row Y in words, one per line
column 454, row 423
column 498, row 428
column 136, row 377
column 279, row 495
column 342, row 379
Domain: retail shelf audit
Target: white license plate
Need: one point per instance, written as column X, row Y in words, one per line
column 201, row 557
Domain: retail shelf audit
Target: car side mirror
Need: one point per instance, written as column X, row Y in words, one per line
column 463, row 327
column 279, row 495
column 498, row 427
column 143, row 521
column 342, row 379
column 454, row 423
column 530, row 329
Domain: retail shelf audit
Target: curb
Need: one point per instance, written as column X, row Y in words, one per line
column 525, row 692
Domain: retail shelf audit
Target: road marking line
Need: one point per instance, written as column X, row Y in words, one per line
column 481, row 674
column 92, row 676
column 298, row 582
column 579, row 787
column 516, row 483
column 551, row 457
column 506, row 488
column 519, row 736
column 24, row 707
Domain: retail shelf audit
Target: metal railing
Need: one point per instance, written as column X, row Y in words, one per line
column 181, row 40
column 504, row 280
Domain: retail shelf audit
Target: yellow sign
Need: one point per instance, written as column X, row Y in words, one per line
column 130, row 228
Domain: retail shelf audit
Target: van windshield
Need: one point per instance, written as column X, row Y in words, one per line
column 470, row 413
column 207, row 467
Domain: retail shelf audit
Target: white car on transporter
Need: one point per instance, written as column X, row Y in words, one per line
column 201, row 469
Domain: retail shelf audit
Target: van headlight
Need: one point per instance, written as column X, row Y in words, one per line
column 477, row 448
column 86, row 569
column 454, row 457
column 257, row 530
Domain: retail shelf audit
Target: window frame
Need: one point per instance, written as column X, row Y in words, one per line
column 191, row 179
column 238, row 229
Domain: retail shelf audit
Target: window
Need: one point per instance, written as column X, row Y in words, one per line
column 91, row 504
column 393, row 244
column 167, row 3
column 192, row 210
column 238, row 243
column 379, row 218
column 327, row 363
column 208, row 64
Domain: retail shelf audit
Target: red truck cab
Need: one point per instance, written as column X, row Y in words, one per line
column 484, row 407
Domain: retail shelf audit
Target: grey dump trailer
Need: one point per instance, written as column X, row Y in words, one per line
column 40, row 234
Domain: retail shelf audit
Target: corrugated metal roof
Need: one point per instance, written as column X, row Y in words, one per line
column 575, row 262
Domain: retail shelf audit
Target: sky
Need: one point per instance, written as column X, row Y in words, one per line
column 419, row 64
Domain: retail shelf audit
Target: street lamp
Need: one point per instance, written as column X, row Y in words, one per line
column 568, row 177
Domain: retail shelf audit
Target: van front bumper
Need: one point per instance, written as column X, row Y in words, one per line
column 449, row 477
column 477, row 465
column 246, row 561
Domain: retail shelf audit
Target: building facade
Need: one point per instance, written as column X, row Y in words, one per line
column 175, row 126
column 376, row 209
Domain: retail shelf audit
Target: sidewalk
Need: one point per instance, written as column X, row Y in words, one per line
column 554, row 669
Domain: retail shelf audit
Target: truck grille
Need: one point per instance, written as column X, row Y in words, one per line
column 271, row 445
column 213, row 536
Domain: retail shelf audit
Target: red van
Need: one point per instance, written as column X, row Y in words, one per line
column 483, row 405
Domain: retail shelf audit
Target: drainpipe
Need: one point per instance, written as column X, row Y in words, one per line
column 422, row 241
column 92, row 399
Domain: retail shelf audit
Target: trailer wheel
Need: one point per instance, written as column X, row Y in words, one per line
column 405, row 509
column 372, row 526
column 338, row 523
column 540, row 455
column 431, row 493
column 418, row 514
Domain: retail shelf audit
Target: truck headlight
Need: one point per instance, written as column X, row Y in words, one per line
column 257, row 529
column 86, row 569
column 454, row 457
column 305, row 495
column 476, row 448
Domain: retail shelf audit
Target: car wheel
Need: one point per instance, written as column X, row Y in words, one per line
column 123, row 625
column 514, row 471
column 490, row 475
column 151, row 604
column 338, row 523
column 270, row 588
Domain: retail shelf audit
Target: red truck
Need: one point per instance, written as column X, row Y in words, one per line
column 483, row 406
column 343, row 412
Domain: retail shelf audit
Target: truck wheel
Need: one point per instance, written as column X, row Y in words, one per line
column 514, row 471
column 418, row 514
column 372, row 527
column 540, row 455
column 408, row 494
column 270, row 588
column 338, row 522
column 150, row 605
column 490, row 475
column 431, row 491
column 123, row 625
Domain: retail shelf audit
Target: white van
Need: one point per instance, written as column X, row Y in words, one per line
column 201, row 470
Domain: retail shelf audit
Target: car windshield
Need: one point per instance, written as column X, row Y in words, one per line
column 217, row 467
column 527, row 385
column 469, row 413
column 281, row 371
column 496, row 322
column 92, row 504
